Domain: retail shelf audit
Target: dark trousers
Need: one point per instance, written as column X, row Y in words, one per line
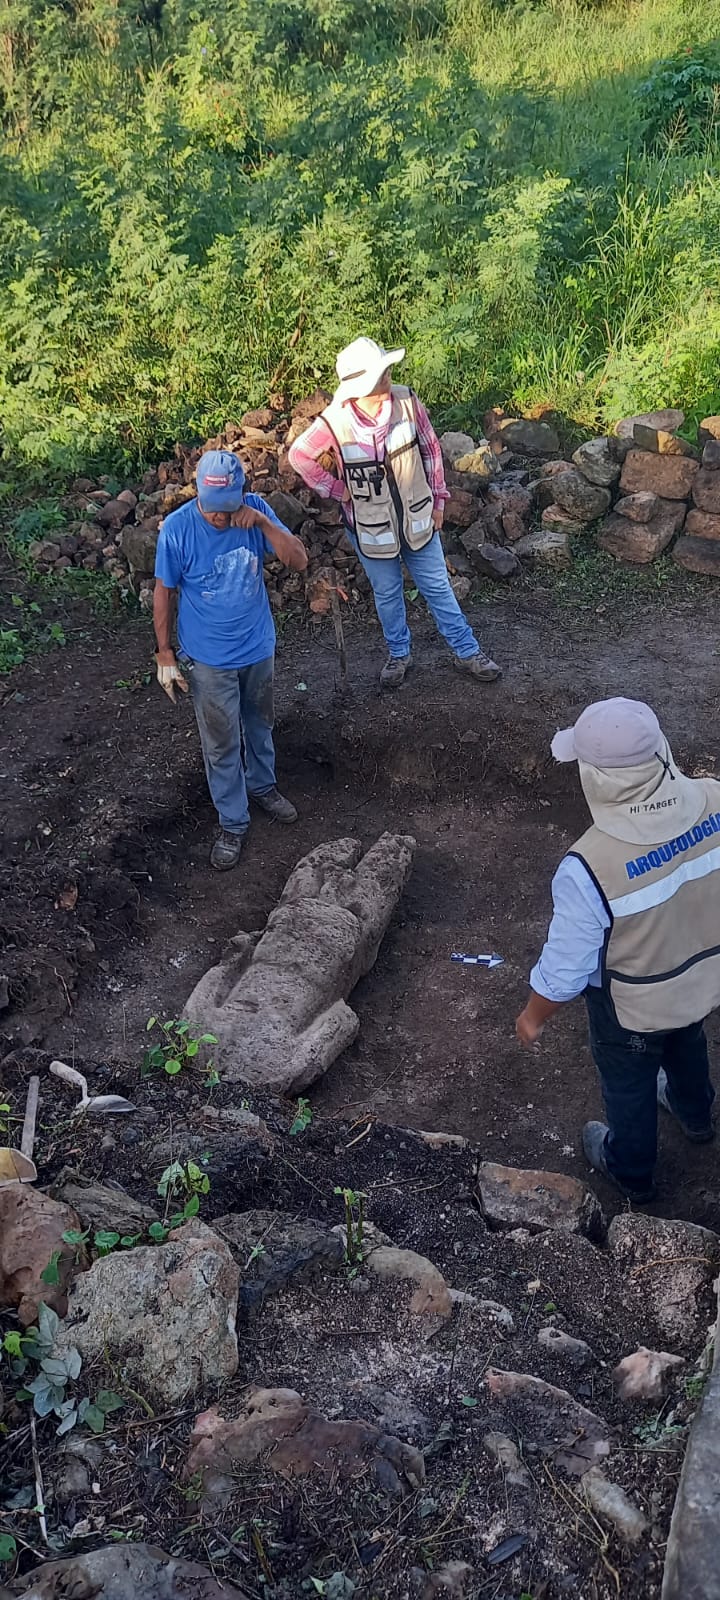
column 235, row 715
column 628, row 1064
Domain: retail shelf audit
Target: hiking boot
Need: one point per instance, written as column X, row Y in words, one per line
column 701, row 1135
column 226, row 850
column 480, row 666
column 394, row 671
column 274, row 804
column 593, row 1138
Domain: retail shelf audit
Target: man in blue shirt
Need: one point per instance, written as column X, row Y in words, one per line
column 209, row 562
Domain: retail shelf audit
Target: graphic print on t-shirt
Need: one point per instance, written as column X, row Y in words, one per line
column 231, row 571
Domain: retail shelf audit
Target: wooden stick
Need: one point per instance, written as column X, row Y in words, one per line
column 339, row 632
column 31, row 1105
column 39, row 1490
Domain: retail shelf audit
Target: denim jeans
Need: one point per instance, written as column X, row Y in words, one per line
column 628, row 1064
column 429, row 573
column 235, row 715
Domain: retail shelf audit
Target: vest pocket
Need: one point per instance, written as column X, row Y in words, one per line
column 376, row 532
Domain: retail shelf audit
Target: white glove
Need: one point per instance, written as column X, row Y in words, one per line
column 169, row 676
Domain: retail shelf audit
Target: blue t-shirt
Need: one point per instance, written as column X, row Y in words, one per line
column 224, row 616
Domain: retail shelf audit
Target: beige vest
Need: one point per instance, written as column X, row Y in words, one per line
column 662, row 953
column 391, row 497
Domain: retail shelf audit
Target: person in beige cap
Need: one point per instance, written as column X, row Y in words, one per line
column 390, row 483
column 636, row 930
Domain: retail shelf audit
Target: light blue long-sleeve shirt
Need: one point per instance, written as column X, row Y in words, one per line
column 572, row 952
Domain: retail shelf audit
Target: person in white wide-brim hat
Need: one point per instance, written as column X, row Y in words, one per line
column 390, row 483
column 636, row 929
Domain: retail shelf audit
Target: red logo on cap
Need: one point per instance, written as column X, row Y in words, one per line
column 217, row 480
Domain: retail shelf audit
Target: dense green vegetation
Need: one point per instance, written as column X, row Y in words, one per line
column 199, row 205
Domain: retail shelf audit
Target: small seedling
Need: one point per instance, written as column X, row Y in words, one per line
column 178, row 1179
column 51, row 1273
column 4, row 1113
column 47, row 1389
column 354, row 1224
column 175, row 1048
column 469, row 1401
column 695, row 1387
column 303, row 1116
column 8, row 1547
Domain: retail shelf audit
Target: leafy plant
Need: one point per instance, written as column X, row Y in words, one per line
column 177, row 1180
column 4, row 1114
column 354, row 1202
column 175, row 1049
column 303, row 1117
column 48, row 1388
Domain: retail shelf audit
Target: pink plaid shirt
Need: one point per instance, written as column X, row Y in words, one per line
column 371, row 432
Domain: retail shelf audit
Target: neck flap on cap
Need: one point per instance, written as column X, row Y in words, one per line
column 643, row 805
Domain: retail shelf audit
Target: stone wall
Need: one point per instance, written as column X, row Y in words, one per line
column 513, row 499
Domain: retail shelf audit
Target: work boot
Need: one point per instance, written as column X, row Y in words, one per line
column 480, row 666
column 226, row 850
column 394, row 671
column 594, row 1139
column 701, row 1135
column 274, row 804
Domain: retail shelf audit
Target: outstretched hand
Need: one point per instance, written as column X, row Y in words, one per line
column 526, row 1030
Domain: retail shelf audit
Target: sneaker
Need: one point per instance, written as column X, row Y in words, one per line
column 274, row 804
column 593, row 1138
column 701, row 1135
column 480, row 666
column 226, row 850
column 394, row 671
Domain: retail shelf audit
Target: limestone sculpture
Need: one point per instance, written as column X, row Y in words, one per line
column 277, row 1000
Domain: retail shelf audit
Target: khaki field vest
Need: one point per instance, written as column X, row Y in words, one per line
column 391, row 498
column 661, row 962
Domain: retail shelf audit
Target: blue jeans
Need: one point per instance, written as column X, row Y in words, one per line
column 235, row 715
column 628, row 1064
column 429, row 573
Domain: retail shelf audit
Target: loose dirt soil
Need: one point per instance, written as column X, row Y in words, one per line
column 111, row 913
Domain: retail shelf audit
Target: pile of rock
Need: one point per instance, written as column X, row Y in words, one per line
column 512, row 498
column 667, row 487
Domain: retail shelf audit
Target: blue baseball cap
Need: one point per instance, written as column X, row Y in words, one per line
column 220, row 481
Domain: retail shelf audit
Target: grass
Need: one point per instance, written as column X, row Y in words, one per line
column 527, row 196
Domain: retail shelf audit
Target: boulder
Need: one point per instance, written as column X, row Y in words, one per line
column 641, row 541
column 711, row 456
column 702, row 525
column 288, row 508
column 561, row 1344
column 640, row 507
column 515, row 504
column 698, row 555
column 101, row 1207
column 555, row 520
column 574, row 1438
column 125, row 1572
column 580, row 499
column 527, row 437
column 278, row 1003
column 166, row 1312
column 661, row 442
column 114, row 513
column 490, row 560
column 597, row 462
column 31, row 1236
column 708, row 429
column 129, row 496
column 138, row 545
column 548, row 545
column 611, row 1504
column 456, row 445
column 262, row 418
column 669, row 1269
column 667, row 421
column 461, row 509
column 273, row 1250
column 512, row 1197
column 670, row 477
column 646, row 1374
column 480, row 462
column 706, row 491
column 295, row 1442
column 461, row 588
